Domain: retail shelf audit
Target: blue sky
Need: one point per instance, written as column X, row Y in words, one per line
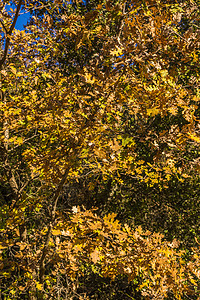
column 22, row 20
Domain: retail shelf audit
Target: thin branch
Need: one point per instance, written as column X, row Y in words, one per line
column 6, row 31
column 54, row 205
column 173, row 31
column 15, row 18
column 9, row 34
column 53, row 215
column 26, row 140
column 122, row 25
column 27, row 183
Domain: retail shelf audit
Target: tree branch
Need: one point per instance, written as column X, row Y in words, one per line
column 2, row 24
column 8, row 34
column 53, row 215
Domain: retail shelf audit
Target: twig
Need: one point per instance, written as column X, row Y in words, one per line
column 23, row 142
column 3, row 26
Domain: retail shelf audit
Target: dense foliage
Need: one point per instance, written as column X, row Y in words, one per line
column 99, row 143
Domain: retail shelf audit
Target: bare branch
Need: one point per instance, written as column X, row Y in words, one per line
column 9, row 34
column 6, row 31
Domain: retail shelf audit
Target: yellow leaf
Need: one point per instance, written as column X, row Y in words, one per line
column 3, row 72
column 163, row 73
column 13, row 70
column 194, row 137
column 56, row 232
column 153, row 111
column 22, row 246
column 18, row 141
column 117, row 52
column 3, row 247
column 89, row 78
column 95, row 256
column 173, row 110
column 39, row 286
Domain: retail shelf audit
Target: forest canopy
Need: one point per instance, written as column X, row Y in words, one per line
column 99, row 144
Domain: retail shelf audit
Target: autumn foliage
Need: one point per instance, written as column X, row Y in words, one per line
column 100, row 100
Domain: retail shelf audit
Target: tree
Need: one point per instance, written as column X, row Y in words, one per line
column 92, row 90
